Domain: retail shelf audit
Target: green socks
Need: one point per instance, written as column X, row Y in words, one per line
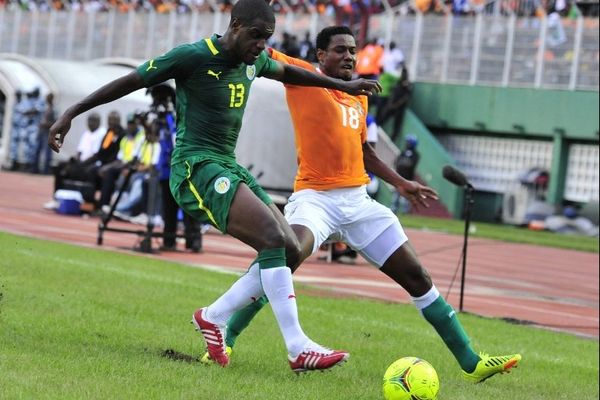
column 445, row 321
column 242, row 318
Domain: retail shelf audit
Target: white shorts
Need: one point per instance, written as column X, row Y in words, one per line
column 348, row 215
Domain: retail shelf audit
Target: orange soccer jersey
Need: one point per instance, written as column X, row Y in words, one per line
column 330, row 129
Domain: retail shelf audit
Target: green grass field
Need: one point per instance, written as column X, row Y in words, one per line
column 82, row 323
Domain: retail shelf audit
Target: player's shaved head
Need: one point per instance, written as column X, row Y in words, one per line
column 247, row 11
column 324, row 37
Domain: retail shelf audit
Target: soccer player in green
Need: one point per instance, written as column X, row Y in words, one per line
column 213, row 79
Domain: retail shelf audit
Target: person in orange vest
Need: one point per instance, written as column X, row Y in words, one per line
column 369, row 61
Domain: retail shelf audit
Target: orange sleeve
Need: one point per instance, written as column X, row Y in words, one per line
column 279, row 56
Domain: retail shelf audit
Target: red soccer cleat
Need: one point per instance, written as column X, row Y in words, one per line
column 214, row 336
column 317, row 359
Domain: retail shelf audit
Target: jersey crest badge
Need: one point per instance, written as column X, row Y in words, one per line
column 222, row 185
column 250, row 72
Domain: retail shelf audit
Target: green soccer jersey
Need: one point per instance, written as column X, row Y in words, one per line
column 211, row 95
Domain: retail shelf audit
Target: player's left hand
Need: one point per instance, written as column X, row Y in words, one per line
column 417, row 194
column 362, row 86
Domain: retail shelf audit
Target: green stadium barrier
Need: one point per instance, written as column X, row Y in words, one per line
column 433, row 158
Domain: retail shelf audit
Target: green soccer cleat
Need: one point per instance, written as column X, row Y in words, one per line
column 209, row 361
column 490, row 366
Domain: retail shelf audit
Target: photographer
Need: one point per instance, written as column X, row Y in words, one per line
column 162, row 120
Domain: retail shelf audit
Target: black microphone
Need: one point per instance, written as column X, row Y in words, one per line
column 453, row 175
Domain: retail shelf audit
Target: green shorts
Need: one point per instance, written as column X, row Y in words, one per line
column 204, row 188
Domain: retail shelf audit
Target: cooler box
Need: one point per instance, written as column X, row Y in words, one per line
column 69, row 202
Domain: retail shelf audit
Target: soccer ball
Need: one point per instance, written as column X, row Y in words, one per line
column 410, row 378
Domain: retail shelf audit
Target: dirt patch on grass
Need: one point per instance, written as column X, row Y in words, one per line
column 177, row 356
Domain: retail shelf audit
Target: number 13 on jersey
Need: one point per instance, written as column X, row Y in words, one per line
column 350, row 116
column 237, row 92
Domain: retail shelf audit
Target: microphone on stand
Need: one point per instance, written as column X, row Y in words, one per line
column 453, row 175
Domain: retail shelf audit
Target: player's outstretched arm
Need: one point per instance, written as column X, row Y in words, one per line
column 416, row 193
column 293, row 75
column 111, row 91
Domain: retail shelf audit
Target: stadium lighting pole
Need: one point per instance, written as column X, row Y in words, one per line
column 469, row 201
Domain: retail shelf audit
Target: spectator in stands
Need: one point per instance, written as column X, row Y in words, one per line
column 76, row 167
column 43, row 153
column 109, row 173
column 307, row 49
column 406, row 165
column 289, row 44
column 395, row 105
column 393, row 62
column 369, row 60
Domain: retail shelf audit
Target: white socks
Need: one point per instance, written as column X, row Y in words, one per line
column 279, row 288
column 427, row 299
column 243, row 292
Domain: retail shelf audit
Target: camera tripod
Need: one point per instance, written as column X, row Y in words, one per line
column 146, row 235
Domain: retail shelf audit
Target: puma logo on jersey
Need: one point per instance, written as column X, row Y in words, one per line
column 215, row 74
column 151, row 66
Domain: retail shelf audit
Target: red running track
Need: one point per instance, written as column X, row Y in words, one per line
column 551, row 288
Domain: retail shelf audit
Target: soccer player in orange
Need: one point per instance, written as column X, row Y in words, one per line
column 330, row 199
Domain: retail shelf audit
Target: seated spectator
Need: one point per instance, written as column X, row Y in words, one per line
column 142, row 168
column 109, row 173
column 84, row 167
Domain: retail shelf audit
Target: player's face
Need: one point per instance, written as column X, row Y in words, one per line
column 251, row 40
column 339, row 59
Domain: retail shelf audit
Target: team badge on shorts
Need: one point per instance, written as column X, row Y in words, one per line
column 250, row 72
column 222, row 185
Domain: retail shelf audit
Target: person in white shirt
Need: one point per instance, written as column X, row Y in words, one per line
column 90, row 140
column 74, row 169
column 393, row 60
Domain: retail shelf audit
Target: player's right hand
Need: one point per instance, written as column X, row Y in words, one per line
column 365, row 87
column 57, row 133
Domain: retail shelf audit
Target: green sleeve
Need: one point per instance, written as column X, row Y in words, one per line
column 266, row 63
column 177, row 63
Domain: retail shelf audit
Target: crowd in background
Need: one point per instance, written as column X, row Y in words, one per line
column 349, row 10
column 162, row 6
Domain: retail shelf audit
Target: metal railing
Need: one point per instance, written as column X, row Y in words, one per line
column 547, row 52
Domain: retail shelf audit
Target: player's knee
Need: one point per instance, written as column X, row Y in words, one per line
column 418, row 280
column 292, row 251
column 273, row 237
